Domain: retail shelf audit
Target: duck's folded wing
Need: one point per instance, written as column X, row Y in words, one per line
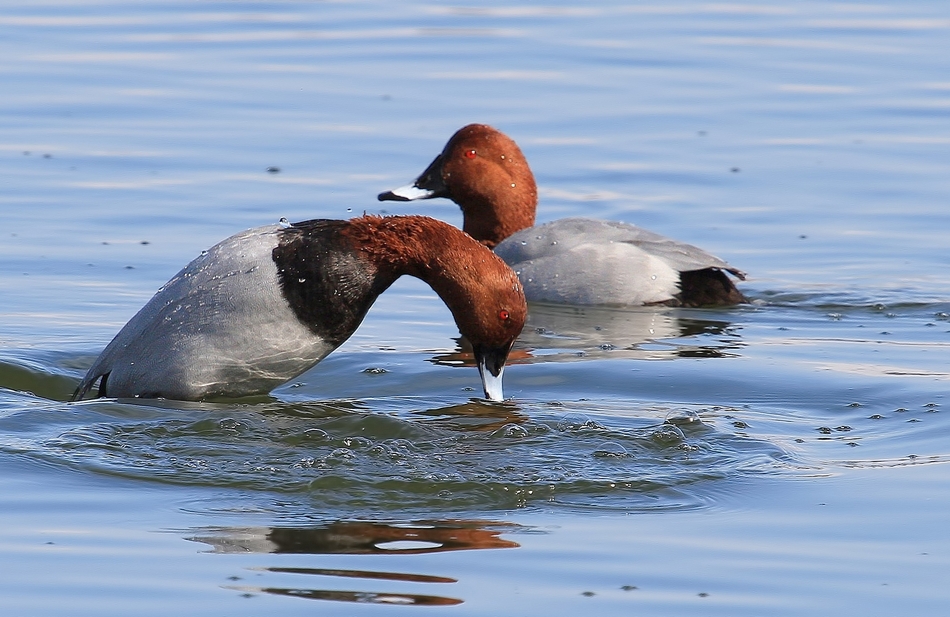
column 561, row 236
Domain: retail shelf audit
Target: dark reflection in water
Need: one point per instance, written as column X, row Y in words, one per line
column 357, row 596
column 388, row 576
column 358, row 538
column 476, row 416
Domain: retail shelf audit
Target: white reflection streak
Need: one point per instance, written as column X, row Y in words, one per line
column 749, row 41
column 850, row 139
column 149, row 92
column 102, row 57
column 519, row 75
column 877, row 370
column 340, row 128
column 515, row 11
column 816, row 89
column 304, row 35
column 158, row 182
column 881, row 24
column 176, row 18
column 134, row 153
column 657, row 9
column 562, row 141
column 581, row 196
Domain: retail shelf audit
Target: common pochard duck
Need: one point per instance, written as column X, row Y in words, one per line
column 265, row 305
column 572, row 260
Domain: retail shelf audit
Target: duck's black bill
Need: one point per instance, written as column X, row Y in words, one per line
column 426, row 186
column 491, row 367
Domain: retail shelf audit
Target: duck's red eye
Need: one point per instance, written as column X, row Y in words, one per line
column 503, row 315
column 470, row 154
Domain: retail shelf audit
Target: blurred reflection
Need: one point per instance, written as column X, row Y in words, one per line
column 357, row 596
column 476, row 415
column 358, row 538
column 563, row 333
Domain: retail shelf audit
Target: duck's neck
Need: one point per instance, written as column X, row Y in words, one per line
column 474, row 283
column 331, row 272
column 418, row 246
column 492, row 222
column 493, row 210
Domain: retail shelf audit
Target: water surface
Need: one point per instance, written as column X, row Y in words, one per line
column 785, row 457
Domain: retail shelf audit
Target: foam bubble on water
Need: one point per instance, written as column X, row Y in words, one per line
column 512, row 431
column 681, row 417
column 611, row 449
column 668, row 435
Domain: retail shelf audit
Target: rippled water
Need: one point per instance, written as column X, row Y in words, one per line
column 785, row 457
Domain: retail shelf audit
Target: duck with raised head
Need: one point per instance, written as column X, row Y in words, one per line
column 571, row 261
column 265, row 305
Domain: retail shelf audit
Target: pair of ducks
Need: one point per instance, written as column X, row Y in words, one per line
column 265, row 305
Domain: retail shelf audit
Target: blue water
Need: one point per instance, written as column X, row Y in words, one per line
column 787, row 457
